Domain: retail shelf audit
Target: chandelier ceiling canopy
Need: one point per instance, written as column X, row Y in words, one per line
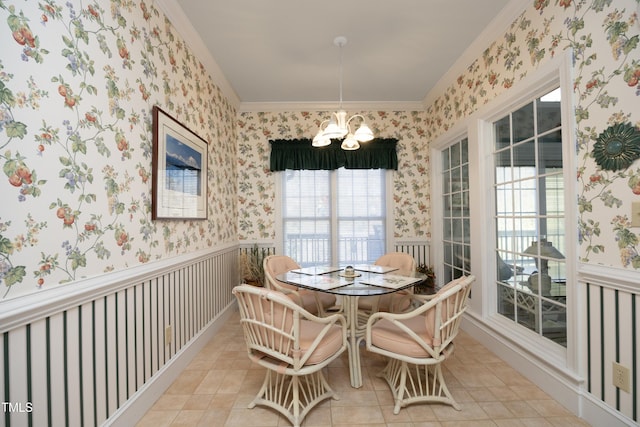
column 339, row 126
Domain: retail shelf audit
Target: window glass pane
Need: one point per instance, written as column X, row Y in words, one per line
column 504, row 236
column 447, row 230
column 464, row 151
column 464, row 177
column 548, row 111
column 448, row 209
column 524, row 156
column 504, row 199
column 554, row 319
column 525, row 231
column 446, row 182
column 551, row 195
column 465, row 204
column 502, row 129
column 550, row 152
column 446, row 163
column 524, row 200
column 503, row 174
column 523, row 123
column 455, row 155
column 466, row 231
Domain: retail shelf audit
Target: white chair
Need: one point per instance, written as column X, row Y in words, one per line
column 312, row 301
column 417, row 342
column 395, row 302
column 293, row 345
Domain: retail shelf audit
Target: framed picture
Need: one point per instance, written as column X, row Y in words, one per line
column 179, row 178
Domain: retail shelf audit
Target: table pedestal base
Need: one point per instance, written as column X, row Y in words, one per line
column 356, row 335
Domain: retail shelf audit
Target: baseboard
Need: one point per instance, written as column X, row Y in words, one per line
column 137, row 406
column 564, row 390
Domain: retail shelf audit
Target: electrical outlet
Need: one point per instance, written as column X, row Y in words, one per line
column 168, row 333
column 621, row 377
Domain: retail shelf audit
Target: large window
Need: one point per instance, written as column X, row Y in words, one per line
column 529, row 217
column 456, row 226
column 334, row 217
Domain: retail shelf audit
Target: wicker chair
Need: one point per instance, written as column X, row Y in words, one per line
column 314, row 302
column 395, row 302
column 417, row 342
column 293, row 345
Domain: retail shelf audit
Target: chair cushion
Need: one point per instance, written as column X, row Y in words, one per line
column 329, row 345
column 386, row 335
column 310, row 303
column 398, row 301
column 400, row 260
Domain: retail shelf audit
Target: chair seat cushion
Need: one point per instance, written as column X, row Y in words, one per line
column 386, row 335
column 309, row 301
column 398, row 301
column 330, row 344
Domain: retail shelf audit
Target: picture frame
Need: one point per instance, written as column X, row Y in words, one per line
column 179, row 178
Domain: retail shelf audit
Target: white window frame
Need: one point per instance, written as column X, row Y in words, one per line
column 479, row 130
column 389, row 206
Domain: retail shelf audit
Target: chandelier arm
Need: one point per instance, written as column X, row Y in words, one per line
column 323, row 123
column 354, row 116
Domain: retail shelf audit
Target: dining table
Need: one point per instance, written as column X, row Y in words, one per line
column 362, row 281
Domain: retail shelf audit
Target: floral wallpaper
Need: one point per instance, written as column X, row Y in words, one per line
column 78, row 81
column 604, row 36
column 257, row 204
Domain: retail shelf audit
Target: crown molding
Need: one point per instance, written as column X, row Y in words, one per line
column 263, row 107
column 492, row 32
column 183, row 26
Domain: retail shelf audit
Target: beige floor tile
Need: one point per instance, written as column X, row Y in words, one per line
column 171, row 402
column 366, row 415
column 213, row 417
column 496, row 410
column 198, row 402
column 188, row 418
column 217, row 386
column 157, row 419
column 186, row 383
column 549, row 408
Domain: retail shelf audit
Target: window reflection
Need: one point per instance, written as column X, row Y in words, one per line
column 529, row 195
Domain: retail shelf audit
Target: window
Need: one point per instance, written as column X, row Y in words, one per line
column 529, row 217
column 320, row 228
column 456, row 225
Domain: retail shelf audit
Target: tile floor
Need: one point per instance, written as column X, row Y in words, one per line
column 216, row 387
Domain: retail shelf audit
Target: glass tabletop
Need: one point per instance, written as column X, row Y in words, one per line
column 362, row 283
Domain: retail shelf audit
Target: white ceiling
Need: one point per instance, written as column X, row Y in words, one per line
column 283, row 51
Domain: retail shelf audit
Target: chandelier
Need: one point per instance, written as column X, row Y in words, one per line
column 339, row 126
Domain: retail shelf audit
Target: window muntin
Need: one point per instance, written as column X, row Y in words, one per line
column 529, row 198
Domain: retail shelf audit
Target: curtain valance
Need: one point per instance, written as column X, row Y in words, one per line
column 299, row 154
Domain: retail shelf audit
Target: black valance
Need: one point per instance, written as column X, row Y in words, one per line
column 299, row 154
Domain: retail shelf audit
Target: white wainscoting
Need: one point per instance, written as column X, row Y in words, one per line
column 608, row 330
column 419, row 249
column 610, row 325
column 96, row 351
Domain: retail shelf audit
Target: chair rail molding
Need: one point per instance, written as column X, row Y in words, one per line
column 23, row 310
